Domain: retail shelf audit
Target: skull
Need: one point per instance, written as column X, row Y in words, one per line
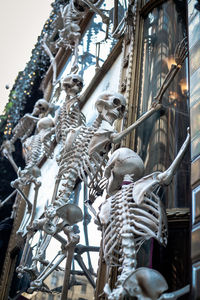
column 72, row 84
column 146, row 284
column 123, row 161
column 40, row 107
column 111, row 106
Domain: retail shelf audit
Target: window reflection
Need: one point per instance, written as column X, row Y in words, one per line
column 160, row 137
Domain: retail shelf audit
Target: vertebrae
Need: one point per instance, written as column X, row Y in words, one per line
column 70, row 116
column 129, row 226
column 75, row 160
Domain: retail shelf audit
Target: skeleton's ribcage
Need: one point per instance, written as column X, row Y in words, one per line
column 144, row 221
column 76, row 162
column 32, row 150
column 68, row 117
column 23, row 129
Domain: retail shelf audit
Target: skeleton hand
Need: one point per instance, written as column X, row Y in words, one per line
column 181, row 52
column 180, row 55
column 7, row 148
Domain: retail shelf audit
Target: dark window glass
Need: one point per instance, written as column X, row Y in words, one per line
column 161, row 136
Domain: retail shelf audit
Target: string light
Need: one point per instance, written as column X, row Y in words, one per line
column 27, row 80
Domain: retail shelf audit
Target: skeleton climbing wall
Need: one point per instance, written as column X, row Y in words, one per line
column 81, row 155
column 134, row 213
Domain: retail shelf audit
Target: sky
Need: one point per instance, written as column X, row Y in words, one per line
column 21, row 23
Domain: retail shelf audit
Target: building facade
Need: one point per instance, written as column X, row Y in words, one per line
column 148, row 51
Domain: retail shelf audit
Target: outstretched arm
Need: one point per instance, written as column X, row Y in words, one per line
column 166, row 177
column 180, row 55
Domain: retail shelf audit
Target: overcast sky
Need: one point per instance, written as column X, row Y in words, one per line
column 21, row 23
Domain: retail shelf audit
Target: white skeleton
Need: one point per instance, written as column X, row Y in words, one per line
column 79, row 157
column 133, row 214
column 70, row 32
column 72, row 14
column 85, row 149
column 69, row 115
column 128, row 23
column 24, row 129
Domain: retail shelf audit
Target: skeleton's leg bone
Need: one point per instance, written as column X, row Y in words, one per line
column 16, row 186
column 52, row 58
column 44, row 244
column 105, row 19
column 11, row 160
column 39, row 281
column 74, row 68
column 8, row 198
column 24, row 257
column 55, row 189
column 36, row 188
column 70, row 254
column 22, row 229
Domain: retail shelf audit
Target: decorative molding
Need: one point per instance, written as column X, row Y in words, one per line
column 149, row 6
column 178, row 214
column 9, row 263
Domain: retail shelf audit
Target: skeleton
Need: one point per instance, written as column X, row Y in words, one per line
column 69, row 35
column 50, row 223
column 128, row 22
column 24, row 129
column 33, row 149
column 72, row 215
column 77, row 145
column 86, row 148
column 69, row 114
column 71, row 15
column 132, row 215
column 91, row 145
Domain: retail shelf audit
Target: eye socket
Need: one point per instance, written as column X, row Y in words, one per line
column 75, row 80
column 123, row 109
column 80, row 83
column 116, row 101
column 66, row 85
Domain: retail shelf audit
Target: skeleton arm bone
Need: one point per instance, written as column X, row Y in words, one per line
column 166, row 177
column 180, row 55
column 105, row 19
column 168, row 79
column 15, row 185
column 52, row 58
column 156, row 105
column 117, row 137
column 176, row 294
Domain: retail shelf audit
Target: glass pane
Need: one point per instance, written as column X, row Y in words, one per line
column 161, row 136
